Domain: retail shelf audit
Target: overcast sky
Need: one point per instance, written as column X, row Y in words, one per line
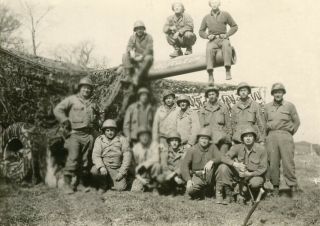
column 277, row 41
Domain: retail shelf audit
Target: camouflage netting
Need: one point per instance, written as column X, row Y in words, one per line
column 32, row 86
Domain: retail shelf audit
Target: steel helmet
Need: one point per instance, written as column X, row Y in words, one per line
column 243, row 85
column 211, row 88
column 143, row 90
column 177, row 3
column 277, row 86
column 85, row 81
column 172, row 135
column 109, row 123
column 204, row 132
column 143, row 129
column 137, row 24
column 246, row 130
column 183, row 97
column 168, row 93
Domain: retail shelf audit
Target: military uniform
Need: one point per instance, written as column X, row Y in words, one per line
column 116, row 156
column 146, row 162
column 217, row 118
column 247, row 113
column 255, row 161
column 216, row 23
column 136, row 116
column 141, row 45
column 192, row 167
column 82, row 114
column 188, row 126
column 184, row 25
column 164, row 121
column 282, row 123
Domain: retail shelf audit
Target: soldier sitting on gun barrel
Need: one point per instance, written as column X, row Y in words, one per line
column 179, row 30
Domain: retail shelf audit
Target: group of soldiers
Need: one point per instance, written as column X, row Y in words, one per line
column 174, row 147
column 179, row 31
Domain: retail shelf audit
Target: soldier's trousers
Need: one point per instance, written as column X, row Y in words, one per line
column 141, row 68
column 200, row 184
column 79, row 146
column 109, row 180
column 187, row 40
column 211, row 51
column 226, row 175
column 150, row 174
column 280, row 147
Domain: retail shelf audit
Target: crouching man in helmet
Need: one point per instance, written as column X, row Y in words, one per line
column 146, row 161
column 78, row 115
column 245, row 164
column 199, row 165
column 111, row 157
column 139, row 55
column 170, row 179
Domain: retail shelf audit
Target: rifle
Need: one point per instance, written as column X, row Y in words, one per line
column 254, row 206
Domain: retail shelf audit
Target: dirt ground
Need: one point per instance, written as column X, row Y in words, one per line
column 41, row 205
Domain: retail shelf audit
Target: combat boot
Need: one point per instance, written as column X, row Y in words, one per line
column 229, row 194
column 211, row 78
column 188, row 51
column 177, row 52
column 67, row 188
column 219, row 195
column 228, row 73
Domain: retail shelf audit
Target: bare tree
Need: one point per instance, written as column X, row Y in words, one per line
column 81, row 54
column 35, row 20
column 9, row 23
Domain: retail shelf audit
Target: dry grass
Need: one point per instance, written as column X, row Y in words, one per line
column 41, row 205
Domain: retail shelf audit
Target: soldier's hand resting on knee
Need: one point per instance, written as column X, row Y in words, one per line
column 239, row 166
column 245, row 174
column 103, row 171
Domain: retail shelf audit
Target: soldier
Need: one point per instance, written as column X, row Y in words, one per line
column 188, row 124
column 165, row 118
column 111, row 156
column 215, row 115
column 137, row 115
column 78, row 114
column 282, row 123
column 244, row 163
column 218, row 37
column 146, row 156
column 139, row 54
column 202, row 160
column 179, row 30
column 247, row 112
column 171, row 162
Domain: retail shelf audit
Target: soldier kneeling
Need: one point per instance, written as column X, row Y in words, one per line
column 146, row 156
column 111, row 157
column 170, row 180
column 199, row 165
column 244, row 165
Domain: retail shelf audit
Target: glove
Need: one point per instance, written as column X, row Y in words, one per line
column 103, row 171
column 138, row 58
column 176, row 35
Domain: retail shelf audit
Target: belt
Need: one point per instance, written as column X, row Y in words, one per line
column 280, row 131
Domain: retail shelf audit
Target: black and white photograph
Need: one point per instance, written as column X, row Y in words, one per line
column 172, row 112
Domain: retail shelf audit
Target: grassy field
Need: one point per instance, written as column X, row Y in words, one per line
column 41, row 205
